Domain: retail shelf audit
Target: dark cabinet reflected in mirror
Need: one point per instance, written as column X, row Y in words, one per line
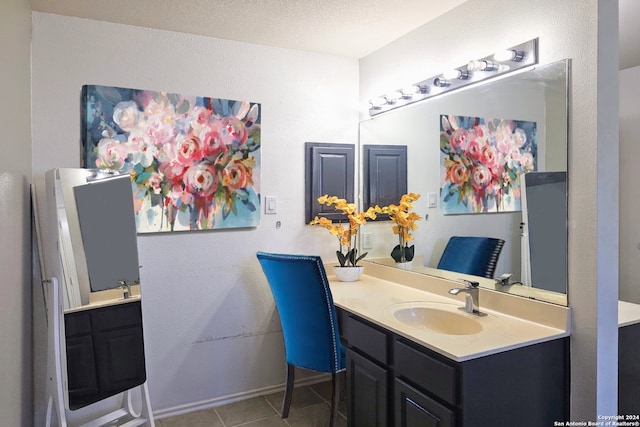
column 537, row 95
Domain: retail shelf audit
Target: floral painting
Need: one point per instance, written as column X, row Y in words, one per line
column 482, row 161
column 194, row 161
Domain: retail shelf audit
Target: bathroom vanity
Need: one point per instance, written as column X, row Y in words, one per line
column 415, row 359
column 628, row 366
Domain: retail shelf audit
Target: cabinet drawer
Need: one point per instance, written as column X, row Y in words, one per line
column 77, row 324
column 425, row 371
column 369, row 339
column 117, row 316
column 342, row 316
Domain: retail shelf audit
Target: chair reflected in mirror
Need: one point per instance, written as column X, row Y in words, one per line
column 476, row 256
column 308, row 317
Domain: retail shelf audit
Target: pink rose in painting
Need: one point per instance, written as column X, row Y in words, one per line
column 480, row 177
column 155, row 182
column 459, row 140
column 200, row 115
column 111, row 154
column 236, row 175
column 212, row 141
column 188, row 150
column 168, row 163
column 172, row 170
column 234, row 131
column 180, row 197
column 201, row 179
column 126, row 115
column 457, row 173
column 474, row 150
column 489, row 156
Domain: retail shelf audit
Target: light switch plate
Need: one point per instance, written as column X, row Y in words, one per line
column 432, row 200
column 367, row 241
column 270, row 205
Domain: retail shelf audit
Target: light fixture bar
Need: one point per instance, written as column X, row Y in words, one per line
column 477, row 70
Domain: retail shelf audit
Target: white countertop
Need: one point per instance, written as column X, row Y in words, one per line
column 628, row 313
column 372, row 295
column 108, row 297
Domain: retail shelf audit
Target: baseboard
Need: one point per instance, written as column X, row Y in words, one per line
column 231, row 398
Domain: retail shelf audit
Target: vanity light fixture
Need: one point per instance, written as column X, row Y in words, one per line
column 475, row 71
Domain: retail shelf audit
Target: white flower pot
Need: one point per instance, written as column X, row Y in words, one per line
column 408, row 265
column 348, row 274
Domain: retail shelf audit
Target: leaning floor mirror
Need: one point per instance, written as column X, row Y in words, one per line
column 93, row 298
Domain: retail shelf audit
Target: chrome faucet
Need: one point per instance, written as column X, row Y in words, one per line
column 126, row 288
column 472, row 300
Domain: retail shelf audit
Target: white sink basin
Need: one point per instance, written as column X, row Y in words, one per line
column 435, row 317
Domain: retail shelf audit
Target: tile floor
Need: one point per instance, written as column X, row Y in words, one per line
column 310, row 407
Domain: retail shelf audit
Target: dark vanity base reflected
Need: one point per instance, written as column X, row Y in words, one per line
column 628, row 370
column 105, row 352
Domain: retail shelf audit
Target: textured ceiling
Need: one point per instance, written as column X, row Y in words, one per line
column 352, row 28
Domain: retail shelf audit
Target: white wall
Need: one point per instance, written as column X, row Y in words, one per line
column 15, row 214
column 586, row 32
column 629, row 178
column 209, row 322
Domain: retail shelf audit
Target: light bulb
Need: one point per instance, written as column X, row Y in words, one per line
column 441, row 82
column 377, row 103
column 455, row 74
column 394, row 96
column 409, row 91
column 482, row 65
column 509, row 55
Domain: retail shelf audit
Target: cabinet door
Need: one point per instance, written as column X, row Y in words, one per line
column 120, row 359
column 415, row 409
column 369, row 394
column 81, row 371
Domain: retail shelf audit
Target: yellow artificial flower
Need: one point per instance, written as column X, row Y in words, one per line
column 404, row 222
column 346, row 235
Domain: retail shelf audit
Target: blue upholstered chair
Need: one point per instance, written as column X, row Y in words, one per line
column 477, row 256
column 309, row 324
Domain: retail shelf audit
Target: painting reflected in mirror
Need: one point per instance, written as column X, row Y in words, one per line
column 531, row 106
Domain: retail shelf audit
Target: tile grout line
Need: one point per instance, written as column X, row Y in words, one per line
column 219, row 417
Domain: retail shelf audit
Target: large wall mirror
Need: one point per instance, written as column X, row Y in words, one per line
column 535, row 235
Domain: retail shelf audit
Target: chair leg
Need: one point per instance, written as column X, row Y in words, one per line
column 288, row 390
column 337, row 379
